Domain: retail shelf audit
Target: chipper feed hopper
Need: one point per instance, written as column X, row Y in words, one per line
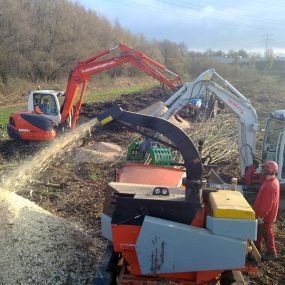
column 172, row 235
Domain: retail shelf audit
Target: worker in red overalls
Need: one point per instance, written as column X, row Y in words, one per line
column 266, row 208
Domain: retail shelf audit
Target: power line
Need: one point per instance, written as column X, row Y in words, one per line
column 200, row 23
column 184, row 15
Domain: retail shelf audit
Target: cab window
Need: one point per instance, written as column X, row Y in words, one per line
column 273, row 128
column 45, row 103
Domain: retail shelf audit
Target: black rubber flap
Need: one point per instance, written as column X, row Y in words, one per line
column 131, row 211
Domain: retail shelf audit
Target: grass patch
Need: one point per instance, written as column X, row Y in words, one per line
column 5, row 112
column 92, row 95
column 94, row 177
column 108, row 95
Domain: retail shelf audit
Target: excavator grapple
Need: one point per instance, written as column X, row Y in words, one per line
column 159, row 155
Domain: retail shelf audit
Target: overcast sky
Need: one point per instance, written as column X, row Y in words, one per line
column 218, row 24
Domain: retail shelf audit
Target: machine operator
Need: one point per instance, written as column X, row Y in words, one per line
column 45, row 107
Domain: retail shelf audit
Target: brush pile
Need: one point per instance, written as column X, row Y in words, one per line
column 219, row 135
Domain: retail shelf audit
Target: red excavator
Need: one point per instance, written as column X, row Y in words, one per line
column 46, row 117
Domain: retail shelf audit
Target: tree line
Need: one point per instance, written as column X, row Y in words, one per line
column 44, row 39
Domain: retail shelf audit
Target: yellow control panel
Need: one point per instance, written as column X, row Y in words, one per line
column 230, row 204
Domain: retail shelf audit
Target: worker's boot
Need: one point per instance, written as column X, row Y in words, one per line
column 269, row 257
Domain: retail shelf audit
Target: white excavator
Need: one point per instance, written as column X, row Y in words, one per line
column 247, row 123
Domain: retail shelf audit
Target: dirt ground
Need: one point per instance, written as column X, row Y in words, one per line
column 273, row 272
column 75, row 190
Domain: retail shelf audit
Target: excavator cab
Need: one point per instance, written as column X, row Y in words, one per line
column 40, row 121
column 46, row 103
column 274, row 141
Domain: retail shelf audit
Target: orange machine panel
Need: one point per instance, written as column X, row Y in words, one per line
column 124, row 241
column 150, row 175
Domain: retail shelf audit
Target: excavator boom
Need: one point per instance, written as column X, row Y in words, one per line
column 90, row 66
column 230, row 96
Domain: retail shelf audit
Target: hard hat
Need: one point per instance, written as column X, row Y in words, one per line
column 270, row 167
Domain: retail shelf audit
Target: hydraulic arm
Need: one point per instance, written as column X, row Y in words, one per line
column 231, row 97
column 247, row 124
column 90, row 66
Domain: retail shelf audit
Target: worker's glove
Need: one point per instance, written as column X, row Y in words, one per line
column 258, row 170
column 260, row 220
